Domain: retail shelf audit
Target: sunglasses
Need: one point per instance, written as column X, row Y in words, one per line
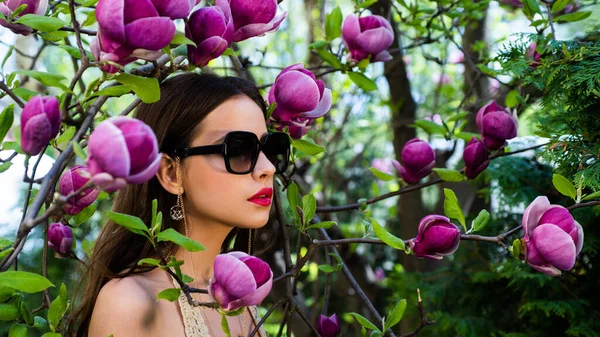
column 240, row 149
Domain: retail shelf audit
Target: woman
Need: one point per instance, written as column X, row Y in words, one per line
column 214, row 198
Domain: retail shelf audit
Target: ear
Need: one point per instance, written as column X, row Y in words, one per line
column 167, row 175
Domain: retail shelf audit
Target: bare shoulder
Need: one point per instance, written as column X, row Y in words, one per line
column 124, row 307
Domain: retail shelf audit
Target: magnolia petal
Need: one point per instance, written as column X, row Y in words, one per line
column 350, row 30
column 108, row 151
column 36, row 134
column 234, row 276
column 559, row 216
column 555, row 245
column 150, row 33
column 322, row 108
column 147, row 173
column 547, row 269
column 253, row 298
column 577, row 235
column 257, row 29
column 373, row 41
column 110, row 15
column 296, row 91
column 533, row 213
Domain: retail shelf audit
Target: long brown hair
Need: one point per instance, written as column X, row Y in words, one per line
column 185, row 101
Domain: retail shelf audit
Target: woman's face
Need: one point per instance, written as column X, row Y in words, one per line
column 213, row 195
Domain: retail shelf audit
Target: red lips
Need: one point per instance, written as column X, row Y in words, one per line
column 265, row 192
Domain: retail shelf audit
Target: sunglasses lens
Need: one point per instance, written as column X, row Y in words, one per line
column 277, row 150
column 242, row 150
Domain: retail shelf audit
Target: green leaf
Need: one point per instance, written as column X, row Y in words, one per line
column 131, row 223
column 564, row 186
column 66, row 135
column 530, row 8
column 482, row 219
column 362, row 81
column 449, row 174
column 47, row 79
column 591, row 196
column 515, row 249
column 228, row 52
column 307, row 147
column 90, row 19
column 573, row 17
column 46, row 24
column 293, row 196
column 146, row 88
column 4, row 242
column 323, row 224
column 7, row 56
column 149, row 261
column 79, row 150
column 395, row 316
column 179, row 38
column 326, row 268
column 511, row 100
column 319, row 44
column 5, row 166
column 430, row 127
column 328, row 57
column 225, row 325
column 171, row 294
column 452, row 207
column 85, row 214
column 388, row 238
column 24, row 281
column 6, row 120
column 25, row 313
column 5, row 253
column 174, row 236
column 8, row 312
column 53, row 334
column 112, row 91
column 57, row 309
column 367, row 3
column 559, row 5
column 459, row 116
column 333, row 24
column 382, row 175
column 364, row 322
column 309, row 207
column 24, row 93
column 75, row 52
column 18, row 330
column 467, row 136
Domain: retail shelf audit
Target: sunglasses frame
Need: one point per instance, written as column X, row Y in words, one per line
column 222, row 149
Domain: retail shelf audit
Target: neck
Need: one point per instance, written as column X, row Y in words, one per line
column 211, row 235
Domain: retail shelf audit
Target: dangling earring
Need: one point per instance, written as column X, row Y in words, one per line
column 250, row 241
column 177, row 213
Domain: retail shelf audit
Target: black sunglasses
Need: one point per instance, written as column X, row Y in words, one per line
column 240, row 149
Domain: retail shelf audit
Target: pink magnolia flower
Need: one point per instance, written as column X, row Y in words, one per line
column 122, row 150
column 367, row 37
column 254, row 18
column 418, row 160
column 239, row 280
column 553, row 239
column 60, row 238
column 72, row 180
column 40, row 122
column 436, row 238
column 300, row 99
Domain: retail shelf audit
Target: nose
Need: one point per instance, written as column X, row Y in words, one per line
column 264, row 168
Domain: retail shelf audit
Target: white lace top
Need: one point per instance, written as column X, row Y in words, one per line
column 193, row 320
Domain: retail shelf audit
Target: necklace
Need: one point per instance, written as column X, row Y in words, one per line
column 202, row 309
